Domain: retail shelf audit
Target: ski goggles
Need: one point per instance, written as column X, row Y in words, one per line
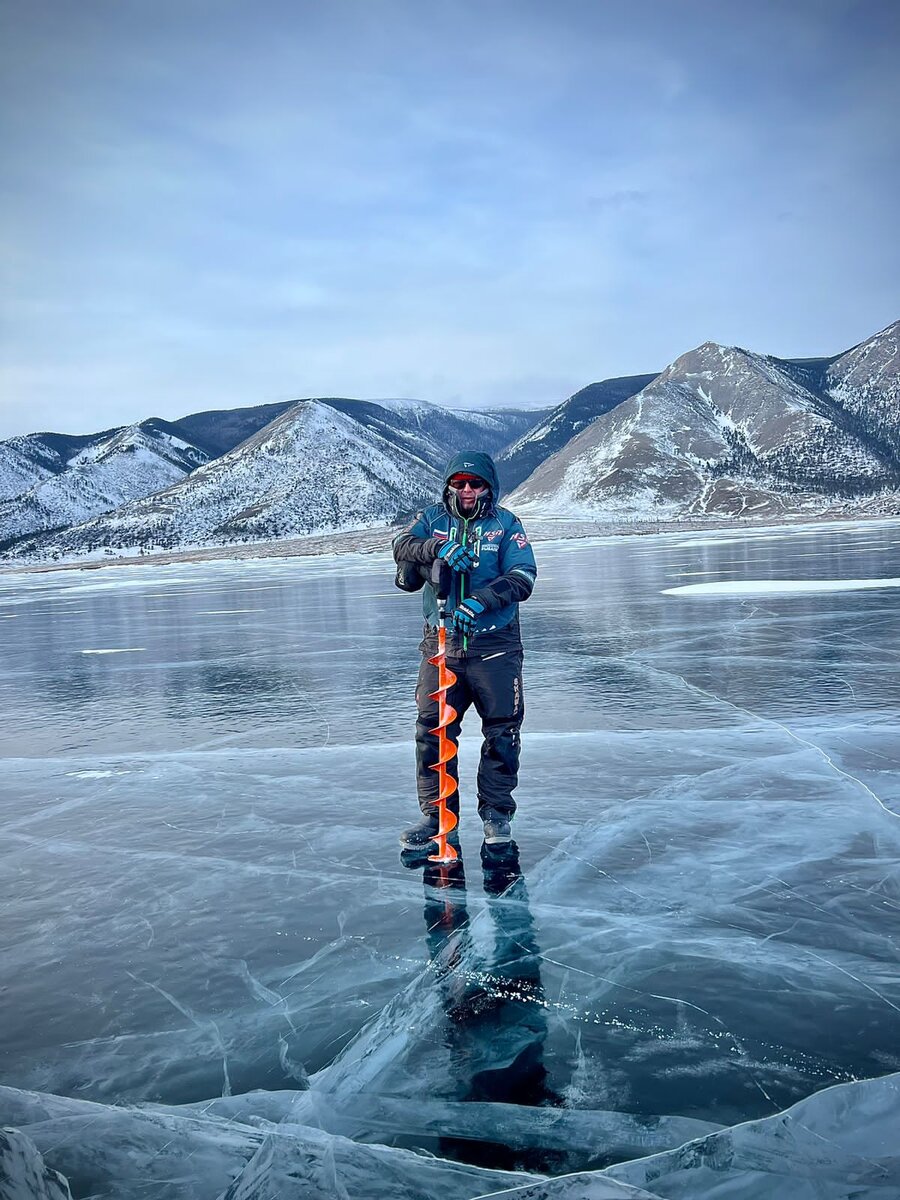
column 475, row 482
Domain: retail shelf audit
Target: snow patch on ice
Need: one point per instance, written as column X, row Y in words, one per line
column 221, row 612
column 94, row 774
column 769, row 587
column 117, row 650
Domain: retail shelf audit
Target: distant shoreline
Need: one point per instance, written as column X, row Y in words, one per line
column 374, row 541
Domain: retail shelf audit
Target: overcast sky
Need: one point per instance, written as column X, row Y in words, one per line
column 213, row 203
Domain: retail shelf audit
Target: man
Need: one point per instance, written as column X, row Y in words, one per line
column 489, row 570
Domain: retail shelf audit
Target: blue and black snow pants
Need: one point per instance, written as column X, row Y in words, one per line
column 494, row 685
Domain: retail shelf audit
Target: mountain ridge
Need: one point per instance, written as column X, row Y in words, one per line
column 722, row 431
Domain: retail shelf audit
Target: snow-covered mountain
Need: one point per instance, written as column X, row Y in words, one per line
column 724, row 432
column 562, row 423
column 865, row 382
column 313, row 469
column 51, row 481
column 432, row 432
column 721, row 432
column 103, row 473
column 220, row 430
column 417, row 422
column 31, row 457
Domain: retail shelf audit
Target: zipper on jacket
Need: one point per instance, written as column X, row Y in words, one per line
column 462, row 581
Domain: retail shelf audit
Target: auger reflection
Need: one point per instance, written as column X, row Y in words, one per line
column 496, row 1023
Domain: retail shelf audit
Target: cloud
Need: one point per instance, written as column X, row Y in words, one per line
column 210, row 205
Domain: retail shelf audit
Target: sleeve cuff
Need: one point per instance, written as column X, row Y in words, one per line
column 484, row 597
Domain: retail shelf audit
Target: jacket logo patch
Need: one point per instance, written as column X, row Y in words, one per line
column 520, row 539
column 493, row 534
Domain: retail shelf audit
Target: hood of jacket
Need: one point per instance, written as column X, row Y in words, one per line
column 473, row 462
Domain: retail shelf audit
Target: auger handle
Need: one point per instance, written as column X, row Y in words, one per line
column 473, row 541
column 440, row 581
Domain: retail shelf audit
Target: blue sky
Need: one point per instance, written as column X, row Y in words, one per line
column 210, row 204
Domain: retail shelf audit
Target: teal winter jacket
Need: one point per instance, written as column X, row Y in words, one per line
column 505, row 573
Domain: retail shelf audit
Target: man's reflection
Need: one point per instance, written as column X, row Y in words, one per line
column 496, row 1018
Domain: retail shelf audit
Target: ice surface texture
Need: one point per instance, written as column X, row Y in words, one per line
column 202, row 894
column 840, row 1144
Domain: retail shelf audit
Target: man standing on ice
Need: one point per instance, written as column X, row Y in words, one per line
column 489, row 569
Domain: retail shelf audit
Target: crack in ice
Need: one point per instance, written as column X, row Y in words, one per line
column 748, row 712
column 205, row 1024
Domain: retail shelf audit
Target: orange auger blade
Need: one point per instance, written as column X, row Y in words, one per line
column 447, row 749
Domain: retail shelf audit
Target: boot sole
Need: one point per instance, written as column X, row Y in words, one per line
column 454, row 841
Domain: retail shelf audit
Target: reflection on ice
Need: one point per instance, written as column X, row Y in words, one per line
column 202, row 895
column 473, row 1029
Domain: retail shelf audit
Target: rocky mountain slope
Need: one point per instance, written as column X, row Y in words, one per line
column 432, row 432
column 726, row 432
column 865, row 382
column 561, row 424
column 102, row 474
column 221, row 429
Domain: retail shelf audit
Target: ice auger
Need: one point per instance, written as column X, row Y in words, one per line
column 447, row 748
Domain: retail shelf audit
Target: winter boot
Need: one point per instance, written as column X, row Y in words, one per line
column 496, row 828
column 423, row 836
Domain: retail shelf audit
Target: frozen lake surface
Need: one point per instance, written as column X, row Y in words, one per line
column 206, row 768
